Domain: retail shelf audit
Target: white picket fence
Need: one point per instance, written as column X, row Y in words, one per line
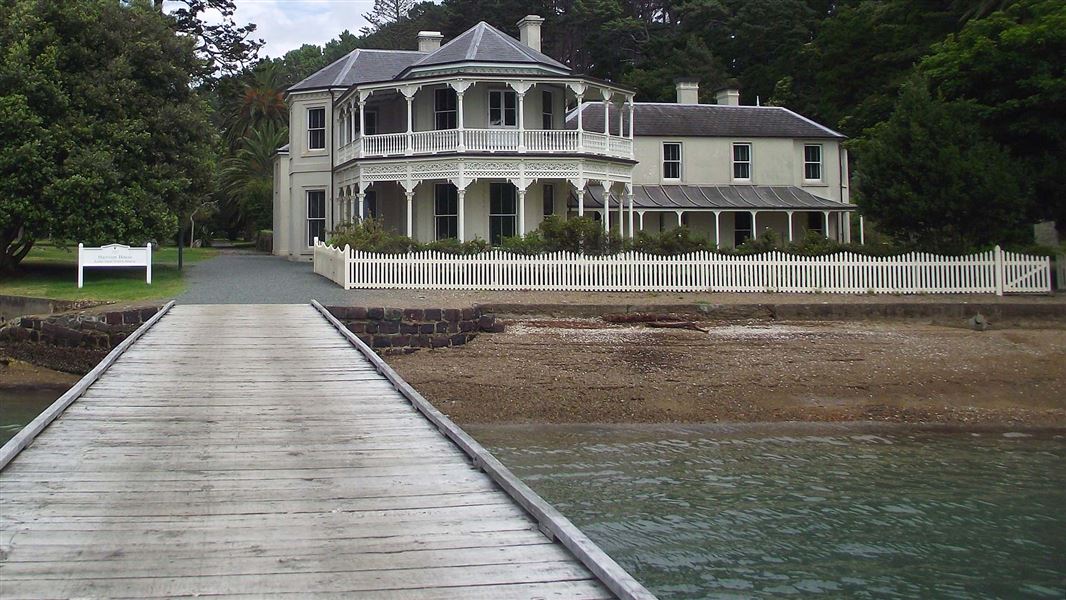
column 992, row 272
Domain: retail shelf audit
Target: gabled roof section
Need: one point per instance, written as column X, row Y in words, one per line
column 483, row 43
column 704, row 120
column 360, row 66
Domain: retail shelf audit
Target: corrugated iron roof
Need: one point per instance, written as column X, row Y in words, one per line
column 717, row 197
column 360, row 66
column 485, row 43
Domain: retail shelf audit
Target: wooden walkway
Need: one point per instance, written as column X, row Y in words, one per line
column 238, row 450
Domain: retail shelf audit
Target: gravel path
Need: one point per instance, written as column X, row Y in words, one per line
column 236, row 278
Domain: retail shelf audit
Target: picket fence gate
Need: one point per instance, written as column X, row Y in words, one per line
column 991, row 272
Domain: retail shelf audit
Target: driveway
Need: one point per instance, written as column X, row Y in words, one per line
column 244, row 278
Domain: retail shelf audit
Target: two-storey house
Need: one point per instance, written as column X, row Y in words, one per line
column 485, row 136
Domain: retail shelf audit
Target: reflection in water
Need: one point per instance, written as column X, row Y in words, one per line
column 697, row 512
column 20, row 405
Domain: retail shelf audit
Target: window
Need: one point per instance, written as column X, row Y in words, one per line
column 503, row 211
column 812, row 162
column 671, row 160
column 371, row 122
column 316, row 216
column 316, row 128
column 370, row 204
column 445, row 211
column 549, row 200
column 503, row 108
column 816, row 222
column 547, row 111
column 742, row 162
column 445, row 109
column 742, row 227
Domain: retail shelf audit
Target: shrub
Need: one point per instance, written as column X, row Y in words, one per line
column 370, row 236
column 531, row 243
column 675, row 241
column 579, row 235
column 454, row 246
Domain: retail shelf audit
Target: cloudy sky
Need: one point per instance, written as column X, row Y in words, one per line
column 288, row 24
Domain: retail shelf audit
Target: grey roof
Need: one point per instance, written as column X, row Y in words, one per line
column 718, row 197
column 485, row 43
column 704, row 120
column 360, row 66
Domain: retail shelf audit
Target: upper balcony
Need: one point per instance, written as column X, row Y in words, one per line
column 488, row 141
column 490, row 115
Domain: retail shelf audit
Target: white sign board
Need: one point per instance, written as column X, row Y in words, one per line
column 114, row 255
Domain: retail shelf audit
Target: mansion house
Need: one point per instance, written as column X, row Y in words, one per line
column 485, row 136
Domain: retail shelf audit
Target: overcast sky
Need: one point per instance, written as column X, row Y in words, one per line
column 288, row 24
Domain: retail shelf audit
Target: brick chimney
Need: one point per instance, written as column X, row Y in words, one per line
column 727, row 95
column 428, row 41
column 688, row 90
column 529, row 31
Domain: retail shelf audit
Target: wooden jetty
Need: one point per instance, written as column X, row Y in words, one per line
column 236, row 450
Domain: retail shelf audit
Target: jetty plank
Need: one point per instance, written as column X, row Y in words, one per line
column 254, row 450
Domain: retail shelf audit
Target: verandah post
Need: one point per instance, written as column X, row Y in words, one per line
column 998, row 260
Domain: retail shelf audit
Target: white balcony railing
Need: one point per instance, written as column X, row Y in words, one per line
column 540, row 141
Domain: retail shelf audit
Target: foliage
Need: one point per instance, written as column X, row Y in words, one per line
column 678, row 240
column 931, row 177
column 248, row 176
column 370, row 235
column 104, row 138
column 1008, row 68
column 223, row 45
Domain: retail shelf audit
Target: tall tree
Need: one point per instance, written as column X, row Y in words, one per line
column 225, row 46
column 930, row 176
column 105, row 139
column 1009, row 68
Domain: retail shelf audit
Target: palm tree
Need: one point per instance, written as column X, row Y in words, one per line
column 247, row 175
column 261, row 101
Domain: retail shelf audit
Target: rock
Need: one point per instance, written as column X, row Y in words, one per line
column 978, row 322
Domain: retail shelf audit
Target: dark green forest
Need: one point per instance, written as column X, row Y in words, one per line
column 955, row 109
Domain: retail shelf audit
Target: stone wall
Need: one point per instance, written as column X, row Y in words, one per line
column 385, row 328
column 74, row 341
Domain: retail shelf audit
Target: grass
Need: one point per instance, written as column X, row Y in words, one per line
column 52, row 272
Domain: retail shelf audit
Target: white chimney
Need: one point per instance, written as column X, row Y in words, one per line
column 529, row 31
column 688, row 90
column 428, row 41
column 730, row 96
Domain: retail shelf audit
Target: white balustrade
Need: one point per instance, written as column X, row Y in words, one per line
column 991, row 272
column 488, row 140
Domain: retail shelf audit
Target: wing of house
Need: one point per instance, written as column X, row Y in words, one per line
column 485, row 136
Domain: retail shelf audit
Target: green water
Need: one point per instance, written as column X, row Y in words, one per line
column 715, row 512
column 20, row 405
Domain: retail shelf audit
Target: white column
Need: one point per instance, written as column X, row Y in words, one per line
column 580, row 202
column 790, row 226
column 351, row 120
column 362, row 127
column 410, row 122
column 362, row 204
column 521, row 122
column 459, row 114
column 410, row 212
column 717, row 229
column 631, row 114
column 461, row 216
column 862, row 231
column 679, row 213
column 640, row 216
column 580, row 127
column 629, row 200
column 825, row 213
column 605, row 185
column 754, row 225
column 521, row 211
column 606, row 114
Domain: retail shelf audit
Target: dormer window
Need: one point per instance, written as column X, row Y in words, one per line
column 316, row 129
column 503, row 108
column 741, row 161
column 812, row 162
column 445, row 109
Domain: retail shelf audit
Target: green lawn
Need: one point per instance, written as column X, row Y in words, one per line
column 51, row 272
